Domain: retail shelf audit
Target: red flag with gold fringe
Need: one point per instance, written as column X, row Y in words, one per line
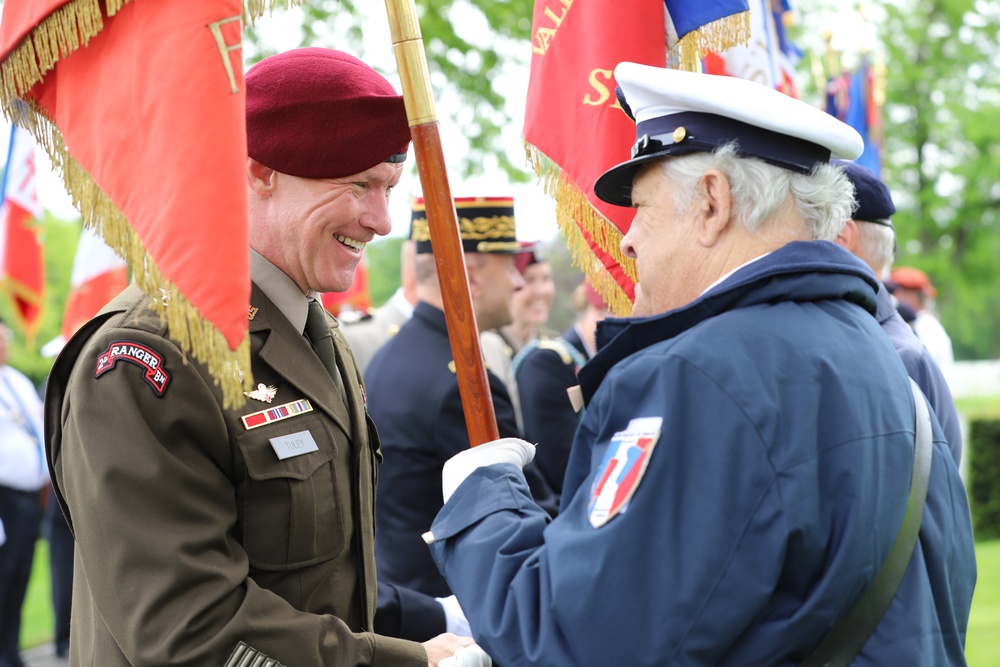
column 22, row 265
column 140, row 105
column 574, row 127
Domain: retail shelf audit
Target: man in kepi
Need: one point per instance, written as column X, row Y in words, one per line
column 413, row 388
column 208, row 535
column 744, row 464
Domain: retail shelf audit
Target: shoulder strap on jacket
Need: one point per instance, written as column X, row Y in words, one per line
column 850, row 634
column 566, row 351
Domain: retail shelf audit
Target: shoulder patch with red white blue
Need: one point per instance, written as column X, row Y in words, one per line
column 622, row 469
column 143, row 356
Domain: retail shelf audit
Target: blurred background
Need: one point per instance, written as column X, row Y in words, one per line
column 919, row 78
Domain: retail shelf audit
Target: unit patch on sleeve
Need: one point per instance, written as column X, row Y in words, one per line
column 145, row 357
column 622, row 469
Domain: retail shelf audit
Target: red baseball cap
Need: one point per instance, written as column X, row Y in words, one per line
column 909, row 277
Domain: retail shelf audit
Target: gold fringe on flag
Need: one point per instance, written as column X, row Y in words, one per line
column 714, row 37
column 60, row 34
column 194, row 335
column 575, row 215
column 254, row 9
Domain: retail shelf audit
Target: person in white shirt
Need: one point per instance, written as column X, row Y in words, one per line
column 23, row 476
column 914, row 288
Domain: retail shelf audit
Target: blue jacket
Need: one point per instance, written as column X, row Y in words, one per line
column 544, row 371
column 413, row 399
column 768, row 501
column 923, row 369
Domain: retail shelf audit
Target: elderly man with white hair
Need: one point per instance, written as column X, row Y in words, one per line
column 754, row 481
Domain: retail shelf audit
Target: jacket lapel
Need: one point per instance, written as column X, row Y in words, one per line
column 288, row 353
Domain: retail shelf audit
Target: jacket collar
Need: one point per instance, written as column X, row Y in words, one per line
column 799, row 271
column 287, row 350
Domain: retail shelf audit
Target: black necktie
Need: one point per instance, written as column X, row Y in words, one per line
column 318, row 332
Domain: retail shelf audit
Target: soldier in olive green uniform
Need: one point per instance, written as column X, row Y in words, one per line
column 225, row 537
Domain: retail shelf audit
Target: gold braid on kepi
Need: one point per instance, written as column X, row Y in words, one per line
column 485, row 225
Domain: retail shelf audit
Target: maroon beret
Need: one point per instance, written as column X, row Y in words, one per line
column 532, row 252
column 320, row 113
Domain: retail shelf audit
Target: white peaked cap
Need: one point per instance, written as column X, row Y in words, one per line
column 679, row 113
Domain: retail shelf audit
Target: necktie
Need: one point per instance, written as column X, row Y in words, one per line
column 318, row 332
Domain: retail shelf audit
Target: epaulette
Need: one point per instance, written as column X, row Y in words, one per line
column 569, row 354
column 558, row 348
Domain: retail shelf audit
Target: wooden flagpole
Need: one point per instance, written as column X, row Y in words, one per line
column 473, row 384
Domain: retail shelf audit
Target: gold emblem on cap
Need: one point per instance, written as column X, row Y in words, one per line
column 679, row 134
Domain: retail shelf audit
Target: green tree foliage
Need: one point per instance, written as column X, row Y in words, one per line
column 943, row 160
column 940, row 140
column 383, row 261
column 468, row 44
column 984, row 477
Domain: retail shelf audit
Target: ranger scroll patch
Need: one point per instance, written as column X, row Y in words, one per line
column 142, row 356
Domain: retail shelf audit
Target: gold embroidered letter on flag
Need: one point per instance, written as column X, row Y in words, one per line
column 225, row 49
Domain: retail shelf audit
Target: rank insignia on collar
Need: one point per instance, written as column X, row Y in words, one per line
column 255, row 419
column 143, row 356
column 252, row 312
column 622, row 469
column 262, row 393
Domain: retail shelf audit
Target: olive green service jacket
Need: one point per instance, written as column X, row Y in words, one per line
column 196, row 544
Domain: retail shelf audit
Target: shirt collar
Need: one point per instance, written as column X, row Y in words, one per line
column 281, row 290
column 401, row 304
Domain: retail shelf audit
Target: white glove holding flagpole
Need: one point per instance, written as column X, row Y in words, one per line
column 470, row 656
column 504, row 450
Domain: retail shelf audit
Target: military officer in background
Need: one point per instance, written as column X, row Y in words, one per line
column 413, row 391
column 217, row 536
column 369, row 332
column 546, row 374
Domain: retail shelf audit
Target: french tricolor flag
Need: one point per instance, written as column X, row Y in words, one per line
column 98, row 275
column 22, row 266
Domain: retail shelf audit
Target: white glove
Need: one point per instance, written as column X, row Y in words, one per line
column 470, row 656
column 504, row 450
column 454, row 618
column 3, row 535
